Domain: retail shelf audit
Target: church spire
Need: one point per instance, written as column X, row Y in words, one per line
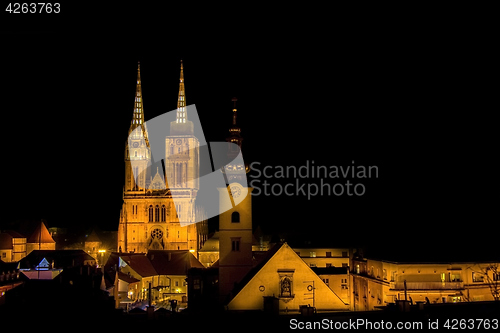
column 181, row 100
column 181, row 125
column 234, row 130
column 138, row 115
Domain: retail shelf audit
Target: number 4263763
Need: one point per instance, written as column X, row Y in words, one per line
column 33, row 8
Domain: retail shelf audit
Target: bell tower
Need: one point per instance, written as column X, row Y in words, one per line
column 235, row 223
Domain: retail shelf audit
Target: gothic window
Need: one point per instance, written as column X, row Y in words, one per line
column 163, row 213
column 150, row 213
column 171, row 150
column 178, row 211
column 235, row 217
column 157, row 233
column 135, row 177
column 157, row 213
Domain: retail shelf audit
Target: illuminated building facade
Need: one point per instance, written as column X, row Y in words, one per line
column 149, row 218
column 285, row 282
column 40, row 239
column 158, row 276
column 380, row 282
column 12, row 246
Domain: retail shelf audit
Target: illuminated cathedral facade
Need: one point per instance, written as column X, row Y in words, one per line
column 150, row 219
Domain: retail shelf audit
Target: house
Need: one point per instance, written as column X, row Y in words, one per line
column 47, row 264
column 158, row 276
column 40, row 239
column 12, row 246
column 324, row 257
column 284, row 278
column 378, row 282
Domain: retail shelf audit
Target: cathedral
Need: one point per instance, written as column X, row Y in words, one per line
column 150, row 219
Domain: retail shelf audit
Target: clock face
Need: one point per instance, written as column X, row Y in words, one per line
column 178, row 141
column 235, row 191
column 135, row 144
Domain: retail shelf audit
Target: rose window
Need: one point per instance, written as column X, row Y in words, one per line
column 156, row 233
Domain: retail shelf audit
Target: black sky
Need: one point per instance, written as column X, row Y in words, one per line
column 410, row 101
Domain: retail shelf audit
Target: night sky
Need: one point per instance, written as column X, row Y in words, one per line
column 412, row 102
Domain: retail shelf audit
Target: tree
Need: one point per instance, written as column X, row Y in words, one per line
column 490, row 274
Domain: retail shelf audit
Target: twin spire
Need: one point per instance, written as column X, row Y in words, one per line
column 181, row 100
column 138, row 116
column 138, row 126
column 181, row 116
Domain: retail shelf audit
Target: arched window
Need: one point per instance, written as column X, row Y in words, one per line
column 235, row 217
column 157, row 213
column 150, row 213
column 163, row 213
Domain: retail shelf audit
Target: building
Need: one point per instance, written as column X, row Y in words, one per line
column 149, row 218
column 378, row 282
column 325, row 257
column 96, row 248
column 209, row 253
column 157, row 277
column 40, row 239
column 338, row 279
column 47, row 264
column 284, row 279
column 12, row 246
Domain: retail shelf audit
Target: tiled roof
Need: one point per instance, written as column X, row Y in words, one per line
column 61, row 258
column 173, row 262
column 156, row 262
column 40, row 235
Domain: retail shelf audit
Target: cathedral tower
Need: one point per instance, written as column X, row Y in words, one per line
column 182, row 160
column 156, row 209
column 137, row 150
